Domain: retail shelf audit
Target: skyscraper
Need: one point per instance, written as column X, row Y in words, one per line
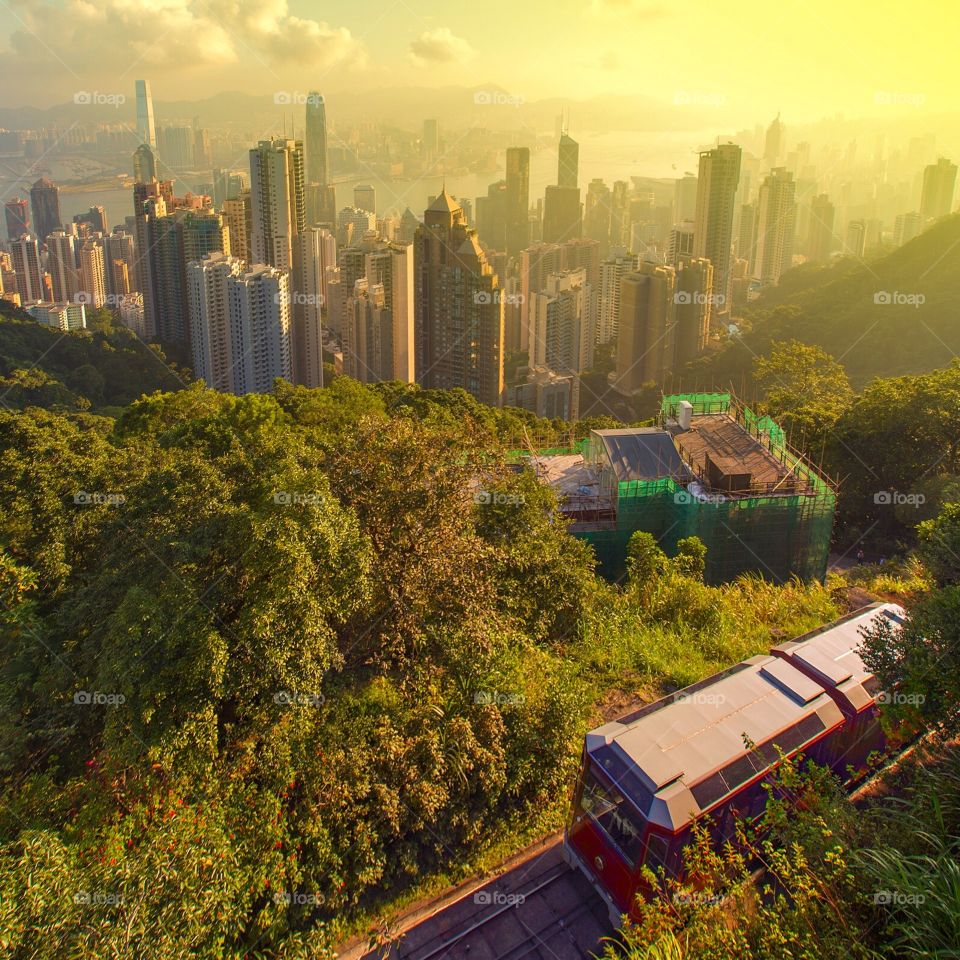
column 430, row 142
column 277, row 201
column 620, row 214
column 713, row 225
column 563, row 323
column 144, row 164
column 492, row 216
column 459, row 310
column 17, row 213
column 906, row 227
column 146, row 130
column 316, row 139
column 646, row 340
column 568, row 163
column 694, row 304
column 260, row 328
column 855, row 244
column 939, row 182
column 365, row 197
column 95, row 218
column 776, row 220
column 93, row 280
column 62, row 265
column 820, row 241
column 773, row 146
column 26, row 264
column 210, row 330
column 240, row 324
column 596, row 215
column 236, row 218
column 316, row 254
column 685, row 198
column 562, row 211
column 612, row 273
column 378, row 326
column 321, row 202
column 517, row 212
column 45, row 200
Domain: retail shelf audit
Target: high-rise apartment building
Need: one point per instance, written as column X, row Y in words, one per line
column 855, row 244
column 259, row 303
column 277, row 201
column 93, row 276
column 62, row 265
column 694, row 301
column 17, row 214
column 211, row 340
column 646, row 339
column 316, row 255
column 386, row 348
column 939, row 182
column 713, row 225
column 240, row 324
column 563, row 323
column 907, row 226
column 612, row 272
column 236, row 218
column 776, row 222
column 459, row 326
column 25, row 253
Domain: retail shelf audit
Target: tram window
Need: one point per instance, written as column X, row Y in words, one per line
column 657, row 849
column 608, row 808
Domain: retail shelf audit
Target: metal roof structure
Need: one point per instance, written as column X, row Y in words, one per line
column 679, row 756
column 646, row 453
column 832, row 655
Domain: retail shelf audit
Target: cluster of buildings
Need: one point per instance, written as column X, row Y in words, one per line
column 259, row 275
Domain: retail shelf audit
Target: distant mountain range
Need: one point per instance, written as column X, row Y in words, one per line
column 489, row 105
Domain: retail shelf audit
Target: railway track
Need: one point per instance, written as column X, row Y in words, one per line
column 540, row 910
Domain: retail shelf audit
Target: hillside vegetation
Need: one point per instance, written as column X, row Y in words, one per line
column 850, row 309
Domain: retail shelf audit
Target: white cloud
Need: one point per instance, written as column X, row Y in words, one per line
column 175, row 33
column 440, row 46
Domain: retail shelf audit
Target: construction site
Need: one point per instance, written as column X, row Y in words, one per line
column 709, row 468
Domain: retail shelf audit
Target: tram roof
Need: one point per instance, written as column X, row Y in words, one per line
column 679, row 756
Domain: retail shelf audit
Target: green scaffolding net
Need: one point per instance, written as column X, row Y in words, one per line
column 779, row 536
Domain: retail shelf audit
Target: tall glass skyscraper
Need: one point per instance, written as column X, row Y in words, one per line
column 146, row 129
column 316, row 143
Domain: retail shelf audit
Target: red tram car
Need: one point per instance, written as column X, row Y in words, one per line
column 647, row 778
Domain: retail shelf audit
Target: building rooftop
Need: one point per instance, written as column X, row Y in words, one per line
column 726, row 456
column 645, row 453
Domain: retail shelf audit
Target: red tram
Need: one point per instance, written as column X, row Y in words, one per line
column 647, row 778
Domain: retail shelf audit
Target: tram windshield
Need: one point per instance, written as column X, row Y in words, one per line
column 609, row 809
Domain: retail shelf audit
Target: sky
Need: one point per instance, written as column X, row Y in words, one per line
column 752, row 58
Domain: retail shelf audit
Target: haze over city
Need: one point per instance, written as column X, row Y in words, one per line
column 479, row 480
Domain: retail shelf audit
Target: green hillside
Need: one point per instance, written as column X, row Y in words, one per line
column 103, row 367
column 836, row 307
